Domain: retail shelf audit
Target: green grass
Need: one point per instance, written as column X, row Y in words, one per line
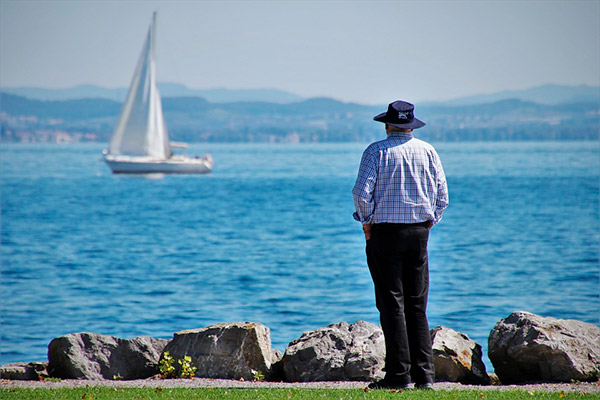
column 99, row 393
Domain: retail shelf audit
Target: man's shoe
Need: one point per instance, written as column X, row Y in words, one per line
column 385, row 384
column 425, row 386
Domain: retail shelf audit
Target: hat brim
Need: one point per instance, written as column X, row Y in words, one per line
column 414, row 124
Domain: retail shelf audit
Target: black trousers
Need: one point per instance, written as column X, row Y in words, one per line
column 398, row 262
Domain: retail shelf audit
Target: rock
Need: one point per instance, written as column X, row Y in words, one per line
column 335, row 353
column 457, row 358
column 230, row 350
column 33, row 371
column 525, row 347
column 96, row 356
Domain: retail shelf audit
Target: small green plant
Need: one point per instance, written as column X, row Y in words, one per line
column 50, row 379
column 187, row 369
column 258, row 376
column 167, row 370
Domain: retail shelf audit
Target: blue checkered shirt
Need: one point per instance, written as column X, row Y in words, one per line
column 400, row 180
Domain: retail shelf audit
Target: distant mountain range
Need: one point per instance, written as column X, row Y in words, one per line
column 166, row 90
column 547, row 94
column 195, row 119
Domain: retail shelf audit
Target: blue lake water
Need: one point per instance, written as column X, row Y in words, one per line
column 269, row 237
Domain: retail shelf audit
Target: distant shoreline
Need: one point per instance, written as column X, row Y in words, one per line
column 193, row 119
column 102, row 143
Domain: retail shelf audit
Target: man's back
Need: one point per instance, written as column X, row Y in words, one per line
column 400, row 181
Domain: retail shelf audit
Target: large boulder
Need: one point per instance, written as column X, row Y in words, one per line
column 525, row 347
column 95, row 356
column 337, row 352
column 457, row 358
column 235, row 350
column 20, row 371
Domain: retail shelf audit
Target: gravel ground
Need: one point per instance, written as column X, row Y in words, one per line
column 224, row 383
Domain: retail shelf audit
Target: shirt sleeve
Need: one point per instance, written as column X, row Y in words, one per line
column 442, row 199
column 364, row 188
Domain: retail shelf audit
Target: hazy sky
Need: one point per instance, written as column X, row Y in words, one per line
column 362, row 51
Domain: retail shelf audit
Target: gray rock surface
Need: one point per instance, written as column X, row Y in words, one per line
column 337, row 352
column 21, row 371
column 525, row 347
column 229, row 350
column 457, row 358
column 95, row 356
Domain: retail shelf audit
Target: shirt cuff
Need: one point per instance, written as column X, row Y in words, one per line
column 357, row 218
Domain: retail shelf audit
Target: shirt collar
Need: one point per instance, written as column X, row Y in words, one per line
column 401, row 135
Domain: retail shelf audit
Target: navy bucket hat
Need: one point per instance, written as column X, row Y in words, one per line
column 401, row 115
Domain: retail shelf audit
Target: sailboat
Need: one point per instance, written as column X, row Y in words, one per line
column 140, row 143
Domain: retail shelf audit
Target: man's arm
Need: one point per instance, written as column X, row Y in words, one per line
column 364, row 188
column 442, row 192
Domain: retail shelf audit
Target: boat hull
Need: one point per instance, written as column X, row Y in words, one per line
column 146, row 165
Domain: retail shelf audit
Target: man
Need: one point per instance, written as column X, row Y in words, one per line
column 400, row 193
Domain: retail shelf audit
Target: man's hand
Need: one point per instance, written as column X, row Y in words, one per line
column 367, row 231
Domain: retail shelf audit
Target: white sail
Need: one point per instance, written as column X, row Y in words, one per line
column 141, row 130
